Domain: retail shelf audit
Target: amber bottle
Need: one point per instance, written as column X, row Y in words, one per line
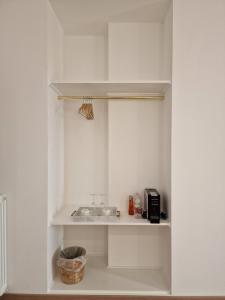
column 131, row 206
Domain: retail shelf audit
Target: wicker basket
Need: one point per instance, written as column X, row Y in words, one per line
column 71, row 264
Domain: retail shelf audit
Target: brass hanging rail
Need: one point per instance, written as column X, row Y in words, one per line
column 144, row 97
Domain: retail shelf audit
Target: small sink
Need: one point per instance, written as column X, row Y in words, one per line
column 85, row 211
column 95, row 214
column 106, row 211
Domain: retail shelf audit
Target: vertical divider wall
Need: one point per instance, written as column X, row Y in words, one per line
column 139, row 135
column 55, row 140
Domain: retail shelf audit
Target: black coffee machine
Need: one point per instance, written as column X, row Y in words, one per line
column 152, row 205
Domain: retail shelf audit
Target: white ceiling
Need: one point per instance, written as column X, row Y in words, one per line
column 90, row 17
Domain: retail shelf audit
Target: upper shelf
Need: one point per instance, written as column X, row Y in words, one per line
column 104, row 88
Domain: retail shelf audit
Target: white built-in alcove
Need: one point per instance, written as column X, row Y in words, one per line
column 124, row 150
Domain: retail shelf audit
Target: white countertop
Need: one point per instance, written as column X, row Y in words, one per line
column 63, row 217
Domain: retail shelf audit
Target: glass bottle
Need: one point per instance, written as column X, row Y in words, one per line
column 137, row 206
column 131, row 206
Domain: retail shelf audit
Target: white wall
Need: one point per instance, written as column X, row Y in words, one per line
column 23, row 141
column 137, row 247
column 85, row 58
column 55, row 116
column 85, row 153
column 139, row 132
column 167, row 41
column 198, row 147
column 92, row 238
column 55, row 135
column 134, row 145
column 135, row 51
column 165, row 158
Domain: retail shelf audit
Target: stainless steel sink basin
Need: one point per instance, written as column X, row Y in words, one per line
column 92, row 214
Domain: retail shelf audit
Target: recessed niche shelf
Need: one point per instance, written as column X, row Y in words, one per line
column 125, row 149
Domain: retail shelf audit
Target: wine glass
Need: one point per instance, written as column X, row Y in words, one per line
column 93, row 201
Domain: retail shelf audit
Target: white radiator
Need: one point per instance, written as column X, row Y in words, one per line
column 3, row 274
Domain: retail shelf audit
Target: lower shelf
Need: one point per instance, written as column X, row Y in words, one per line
column 101, row 280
